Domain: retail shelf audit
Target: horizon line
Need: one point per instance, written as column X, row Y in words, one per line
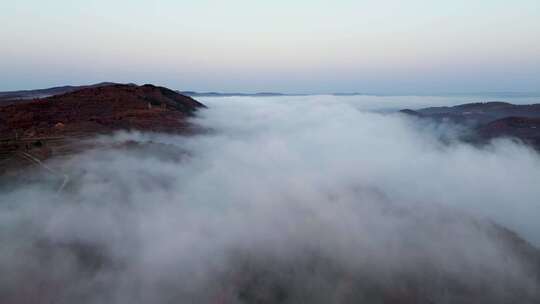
column 247, row 93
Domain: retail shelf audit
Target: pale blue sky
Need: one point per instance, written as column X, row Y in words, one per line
column 385, row 46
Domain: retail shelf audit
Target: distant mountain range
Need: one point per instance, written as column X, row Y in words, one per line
column 217, row 94
column 261, row 94
column 13, row 96
column 17, row 96
column 41, row 93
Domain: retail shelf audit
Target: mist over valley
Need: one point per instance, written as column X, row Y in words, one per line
column 275, row 200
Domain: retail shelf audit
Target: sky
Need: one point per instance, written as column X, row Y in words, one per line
column 316, row 46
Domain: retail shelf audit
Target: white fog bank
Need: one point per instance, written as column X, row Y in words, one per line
column 342, row 142
column 277, row 181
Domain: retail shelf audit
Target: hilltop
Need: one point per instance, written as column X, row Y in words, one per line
column 41, row 128
column 99, row 109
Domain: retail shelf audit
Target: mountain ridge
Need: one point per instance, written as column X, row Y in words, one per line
column 42, row 127
column 489, row 120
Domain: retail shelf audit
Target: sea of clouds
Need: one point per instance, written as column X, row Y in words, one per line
column 302, row 191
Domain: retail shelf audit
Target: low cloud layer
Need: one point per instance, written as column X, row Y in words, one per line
column 285, row 200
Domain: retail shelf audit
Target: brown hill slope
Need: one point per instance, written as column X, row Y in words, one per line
column 490, row 120
column 99, row 110
column 43, row 128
